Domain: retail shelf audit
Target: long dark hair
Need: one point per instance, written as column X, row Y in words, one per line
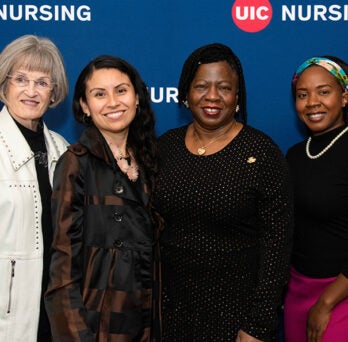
column 212, row 53
column 141, row 137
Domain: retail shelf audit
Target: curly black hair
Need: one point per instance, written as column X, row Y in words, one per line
column 141, row 137
column 212, row 53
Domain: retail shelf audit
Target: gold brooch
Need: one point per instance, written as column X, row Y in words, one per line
column 251, row 160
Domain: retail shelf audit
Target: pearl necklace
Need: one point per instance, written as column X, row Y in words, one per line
column 201, row 150
column 326, row 148
column 132, row 170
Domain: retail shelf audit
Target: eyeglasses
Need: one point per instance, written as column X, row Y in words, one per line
column 41, row 84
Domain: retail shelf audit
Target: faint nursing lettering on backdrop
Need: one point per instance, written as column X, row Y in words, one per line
column 163, row 94
column 30, row 12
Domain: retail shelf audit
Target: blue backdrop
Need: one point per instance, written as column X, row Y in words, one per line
column 271, row 39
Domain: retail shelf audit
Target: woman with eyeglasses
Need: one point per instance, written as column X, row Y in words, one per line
column 32, row 79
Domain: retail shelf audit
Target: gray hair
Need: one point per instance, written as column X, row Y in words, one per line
column 34, row 53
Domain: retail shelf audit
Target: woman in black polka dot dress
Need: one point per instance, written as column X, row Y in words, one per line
column 223, row 191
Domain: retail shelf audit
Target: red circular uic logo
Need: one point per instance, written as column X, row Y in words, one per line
column 251, row 15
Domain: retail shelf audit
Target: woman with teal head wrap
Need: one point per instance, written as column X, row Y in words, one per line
column 316, row 303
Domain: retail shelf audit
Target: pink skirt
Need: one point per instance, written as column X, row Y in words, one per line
column 302, row 293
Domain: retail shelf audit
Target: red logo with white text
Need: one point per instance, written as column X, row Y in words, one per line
column 251, row 15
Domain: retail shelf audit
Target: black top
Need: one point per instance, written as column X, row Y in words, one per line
column 36, row 141
column 321, row 206
column 225, row 246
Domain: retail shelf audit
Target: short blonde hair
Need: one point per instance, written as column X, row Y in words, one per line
column 34, row 53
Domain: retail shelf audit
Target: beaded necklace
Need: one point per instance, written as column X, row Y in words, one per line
column 326, row 148
column 132, row 169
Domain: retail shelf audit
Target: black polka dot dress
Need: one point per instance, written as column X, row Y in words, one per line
column 225, row 247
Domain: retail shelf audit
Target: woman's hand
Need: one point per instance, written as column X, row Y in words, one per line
column 320, row 313
column 317, row 321
column 244, row 337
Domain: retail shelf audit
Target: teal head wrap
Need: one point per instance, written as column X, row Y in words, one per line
column 332, row 67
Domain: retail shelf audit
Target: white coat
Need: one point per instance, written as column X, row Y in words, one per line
column 21, row 242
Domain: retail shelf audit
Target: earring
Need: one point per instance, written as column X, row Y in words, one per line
column 186, row 104
column 52, row 100
column 237, row 108
column 86, row 119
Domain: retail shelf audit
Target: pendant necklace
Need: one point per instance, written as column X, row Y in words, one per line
column 201, row 150
column 326, row 148
column 132, row 169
